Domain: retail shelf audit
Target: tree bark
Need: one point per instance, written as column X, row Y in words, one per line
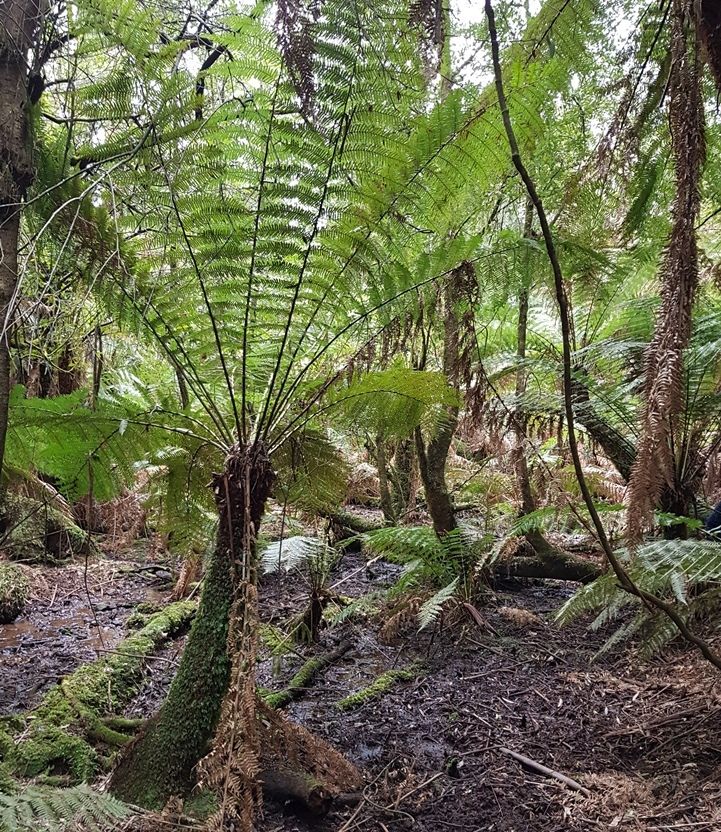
column 383, row 483
column 19, row 24
column 617, row 448
column 161, row 761
column 401, row 473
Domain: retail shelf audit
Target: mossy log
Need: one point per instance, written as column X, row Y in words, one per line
column 36, row 532
column 379, row 686
column 305, row 676
column 345, row 524
column 543, row 560
column 59, row 735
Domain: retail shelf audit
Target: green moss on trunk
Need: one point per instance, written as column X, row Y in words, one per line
column 160, row 763
column 161, row 760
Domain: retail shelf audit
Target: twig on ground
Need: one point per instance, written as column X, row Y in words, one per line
column 549, row 772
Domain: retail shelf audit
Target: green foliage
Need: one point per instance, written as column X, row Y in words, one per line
column 293, row 552
column 59, row 809
column 428, row 559
column 393, row 402
column 312, row 474
column 685, row 571
column 431, row 609
column 65, row 439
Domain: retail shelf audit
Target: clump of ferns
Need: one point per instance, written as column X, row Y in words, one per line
column 440, row 581
column 687, row 572
column 311, row 561
column 306, row 625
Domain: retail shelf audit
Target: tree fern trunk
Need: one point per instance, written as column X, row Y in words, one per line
column 387, row 506
column 403, row 492
column 18, row 25
column 161, row 762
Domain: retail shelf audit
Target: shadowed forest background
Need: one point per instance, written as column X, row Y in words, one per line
column 360, row 415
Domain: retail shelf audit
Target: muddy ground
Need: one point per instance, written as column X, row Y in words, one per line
column 643, row 738
column 75, row 613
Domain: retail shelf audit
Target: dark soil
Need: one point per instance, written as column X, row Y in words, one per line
column 644, row 738
column 75, row 612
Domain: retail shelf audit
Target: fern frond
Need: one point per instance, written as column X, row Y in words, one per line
column 59, row 809
column 431, row 609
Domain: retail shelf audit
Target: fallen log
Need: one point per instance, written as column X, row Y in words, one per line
column 345, row 524
column 566, row 568
column 305, row 677
column 58, row 735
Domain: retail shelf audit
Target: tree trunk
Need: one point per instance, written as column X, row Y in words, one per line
column 617, row 448
column 389, row 514
column 403, row 492
column 20, row 20
column 520, row 462
column 433, row 455
column 161, row 761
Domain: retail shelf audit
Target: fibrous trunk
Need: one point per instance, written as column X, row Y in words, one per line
column 664, row 384
column 160, row 763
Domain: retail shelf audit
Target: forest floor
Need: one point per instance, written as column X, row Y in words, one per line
column 643, row 737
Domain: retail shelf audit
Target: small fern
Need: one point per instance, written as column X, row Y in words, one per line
column 54, row 809
column 432, row 608
column 687, row 570
column 292, row 552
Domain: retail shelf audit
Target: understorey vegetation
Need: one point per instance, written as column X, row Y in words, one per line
column 360, row 377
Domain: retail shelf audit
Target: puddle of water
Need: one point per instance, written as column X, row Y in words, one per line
column 79, row 628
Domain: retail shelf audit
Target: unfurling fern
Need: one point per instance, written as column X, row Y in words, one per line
column 688, row 571
column 53, row 809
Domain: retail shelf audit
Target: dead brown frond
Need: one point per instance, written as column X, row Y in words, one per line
column 520, row 617
column 402, row 618
column 294, row 21
column 232, row 767
column 664, row 383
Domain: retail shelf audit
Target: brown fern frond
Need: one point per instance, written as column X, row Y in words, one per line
column 664, row 382
column 233, row 765
column 402, row 617
column 294, row 20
